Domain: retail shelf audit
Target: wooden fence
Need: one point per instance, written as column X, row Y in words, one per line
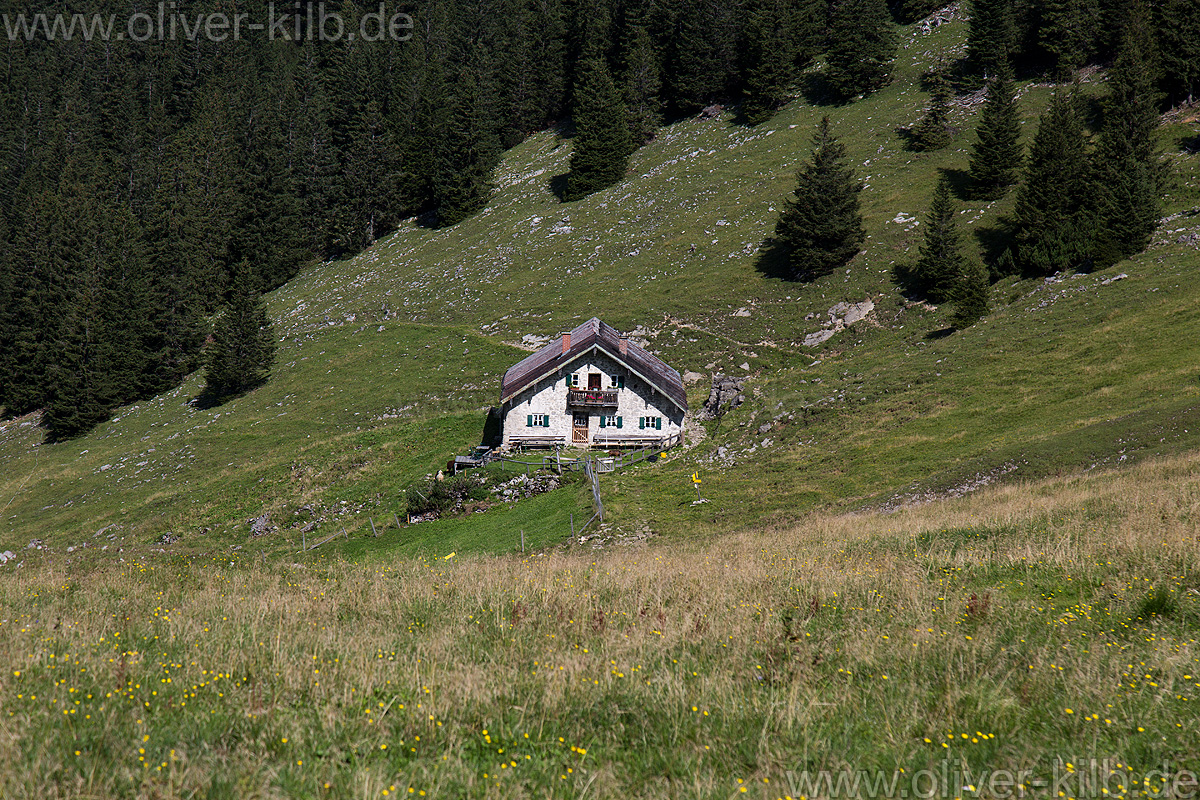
column 590, row 465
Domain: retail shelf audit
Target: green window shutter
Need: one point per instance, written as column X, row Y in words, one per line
column 641, row 422
column 619, row 421
column 529, row 421
column 620, row 381
column 658, row 423
column 545, row 420
column 603, row 421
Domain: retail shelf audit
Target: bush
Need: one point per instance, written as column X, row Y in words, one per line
column 438, row 497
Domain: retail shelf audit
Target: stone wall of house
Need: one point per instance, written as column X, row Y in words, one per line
column 549, row 396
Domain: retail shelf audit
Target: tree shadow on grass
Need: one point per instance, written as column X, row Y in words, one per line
column 940, row 333
column 207, row 399
column 905, row 135
column 994, row 241
column 773, row 261
column 558, row 187
column 817, row 91
column 961, row 185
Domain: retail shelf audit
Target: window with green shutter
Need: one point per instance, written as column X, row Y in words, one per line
column 620, row 381
column 641, row 423
column 603, row 421
column 545, row 420
column 658, row 423
column 529, row 421
column 619, row 422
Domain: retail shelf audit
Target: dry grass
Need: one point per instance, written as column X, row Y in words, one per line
column 679, row 669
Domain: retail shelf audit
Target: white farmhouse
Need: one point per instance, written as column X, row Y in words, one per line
column 592, row 387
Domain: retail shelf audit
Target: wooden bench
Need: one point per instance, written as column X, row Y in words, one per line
column 628, row 441
column 537, row 441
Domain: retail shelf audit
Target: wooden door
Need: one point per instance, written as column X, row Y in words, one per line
column 593, row 381
column 579, row 431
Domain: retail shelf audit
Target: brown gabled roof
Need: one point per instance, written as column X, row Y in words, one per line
column 593, row 334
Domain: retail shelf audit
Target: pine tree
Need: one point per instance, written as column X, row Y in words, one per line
column 997, row 153
column 991, row 36
column 640, row 85
column 937, row 269
column 821, row 225
column 970, row 295
column 770, row 59
column 243, row 348
column 602, row 144
column 862, row 46
column 1127, row 174
column 1050, row 223
column 932, row 131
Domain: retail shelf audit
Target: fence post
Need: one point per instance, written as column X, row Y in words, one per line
column 373, row 527
column 522, row 541
column 397, row 520
column 572, row 523
column 303, row 542
column 345, row 534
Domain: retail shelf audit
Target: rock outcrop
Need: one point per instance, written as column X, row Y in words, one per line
column 726, row 394
column 841, row 316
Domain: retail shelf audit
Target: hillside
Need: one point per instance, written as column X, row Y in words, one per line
column 388, row 359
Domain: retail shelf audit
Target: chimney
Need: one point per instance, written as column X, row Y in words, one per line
column 624, row 343
column 566, row 337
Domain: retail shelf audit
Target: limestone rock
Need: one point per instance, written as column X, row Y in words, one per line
column 725, row 395
column 820, row 337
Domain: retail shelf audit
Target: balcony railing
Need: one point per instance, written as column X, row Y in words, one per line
column 591, row 398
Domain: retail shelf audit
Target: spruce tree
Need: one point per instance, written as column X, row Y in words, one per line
column 770, row 59
column 862, row 46
column 602, row 143
column 821, row 225
column 1070, row 29
column 991, row 36
column 243, row 348
column 8, row 305
column 908, row 11
column 932, row 131
column 997, row 153
column 1126, row 174
column 1177, row 27
column 970, row 295
column 937, row 269
column 466, row 150
column 702, row 55
column 640, row 86
column 1051, row 226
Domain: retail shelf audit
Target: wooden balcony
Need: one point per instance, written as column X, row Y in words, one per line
column 591, row 398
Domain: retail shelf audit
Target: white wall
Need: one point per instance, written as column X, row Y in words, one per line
column 549, row 396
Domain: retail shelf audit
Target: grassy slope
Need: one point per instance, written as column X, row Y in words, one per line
column 1022, row 628
column 413, row 329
